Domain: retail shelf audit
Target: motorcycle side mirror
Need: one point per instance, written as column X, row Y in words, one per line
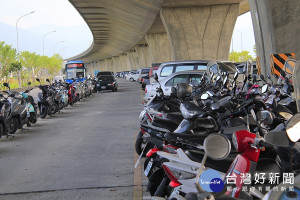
column 29, row 83
column 235, row 76
column 48, row 80
column 38, row 80
column 292, row 128
column 278, row 138
column 264, row 88
column 6, row 85
column 276, row 76
column 156, row 77
column 217, row 146
column 204, row 96
column 269, row 77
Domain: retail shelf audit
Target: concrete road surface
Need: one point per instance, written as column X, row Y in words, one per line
column 86, row 152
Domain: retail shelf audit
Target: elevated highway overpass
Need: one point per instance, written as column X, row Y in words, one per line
column 131, row 34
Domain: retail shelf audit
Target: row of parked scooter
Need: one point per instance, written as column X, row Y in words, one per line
column 20, row 108
column 187, row 138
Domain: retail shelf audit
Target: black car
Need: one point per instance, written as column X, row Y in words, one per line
column 107, row 82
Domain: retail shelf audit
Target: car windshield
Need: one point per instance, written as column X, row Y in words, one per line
column 104, row 73
column 106, row 78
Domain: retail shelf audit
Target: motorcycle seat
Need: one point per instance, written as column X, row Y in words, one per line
column 165, row 123
column 219, row 165
column 205, row 123
column 176, row 117
column 185, row 136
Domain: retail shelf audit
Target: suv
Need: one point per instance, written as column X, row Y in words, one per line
column 146, row 79
column 132, row 76
column 105, row 73
column 168, row 68
column 143, row 72
column 107, row 82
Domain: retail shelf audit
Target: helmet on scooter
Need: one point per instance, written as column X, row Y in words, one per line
column 184, row 90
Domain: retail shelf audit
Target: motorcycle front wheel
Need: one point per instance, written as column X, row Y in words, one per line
column 13, row 126
column 33, row 117
column 43, row 111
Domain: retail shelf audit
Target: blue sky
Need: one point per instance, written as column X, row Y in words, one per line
column 61, row 16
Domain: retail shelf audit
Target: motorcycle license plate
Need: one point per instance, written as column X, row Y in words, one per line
column 103, row 87
column 148, row 168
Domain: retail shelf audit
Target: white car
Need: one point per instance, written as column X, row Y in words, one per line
column 173, row 79
column 132, row 75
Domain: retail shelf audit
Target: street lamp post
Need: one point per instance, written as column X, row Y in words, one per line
column 44, row 40
column 241, row 39
column 17, row 29
column 57, row 44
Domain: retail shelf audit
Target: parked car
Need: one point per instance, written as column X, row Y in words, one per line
column 146, row 79
column 118, row 74
column 143, row 72
column 125, row 73
column 168, row 68
column 105, row 73
column 132, row 76
column 108, row 82
column 173, row 79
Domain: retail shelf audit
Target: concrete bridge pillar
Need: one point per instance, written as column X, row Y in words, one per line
column 109, row 64
column 103, row 65
column 134, row 59
column 202, row 32
column 159, row 47
column 145, row 58
column 125, row 62
column 276, row 29
column 117, row 63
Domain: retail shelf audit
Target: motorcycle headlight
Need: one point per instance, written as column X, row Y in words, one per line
column 2, row 110
column 286, row 115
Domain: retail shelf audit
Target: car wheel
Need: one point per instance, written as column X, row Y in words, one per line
column 131, row 79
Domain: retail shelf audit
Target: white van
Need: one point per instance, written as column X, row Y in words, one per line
column 168, row 68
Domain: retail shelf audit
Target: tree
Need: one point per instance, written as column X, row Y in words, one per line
column 7, row 56
column 239, row 56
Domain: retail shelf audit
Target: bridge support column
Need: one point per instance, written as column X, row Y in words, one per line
column 117, row 63
column 125, row 62
column 202, row 32
column 276, row 29
column 108, row 64
column 159, row 47
column 145, row 59
column 134, row 59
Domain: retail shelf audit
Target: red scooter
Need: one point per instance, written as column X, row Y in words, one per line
column 248, row 165
column 71, row 94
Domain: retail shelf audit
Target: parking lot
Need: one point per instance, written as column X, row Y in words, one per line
column 86, row 152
